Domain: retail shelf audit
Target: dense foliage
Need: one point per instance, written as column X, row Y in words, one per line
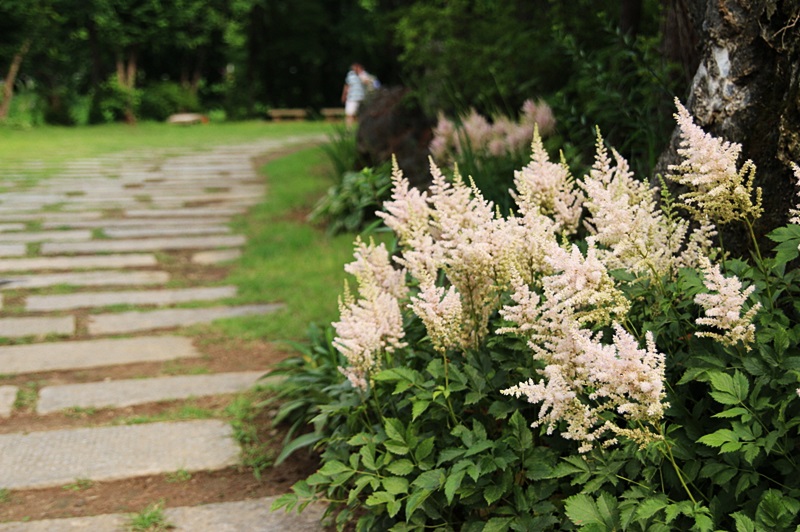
column 519, row 374
column 106, row 60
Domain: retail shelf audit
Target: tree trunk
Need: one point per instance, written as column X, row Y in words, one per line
column 11, row 78
column 747, row 90
column 630, row 16
column 126, row 77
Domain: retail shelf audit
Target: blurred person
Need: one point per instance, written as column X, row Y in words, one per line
column 356, row 85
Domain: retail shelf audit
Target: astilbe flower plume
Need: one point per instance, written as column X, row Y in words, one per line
column 408, row 213
column 548, row 188
column 520, row 248
column 584, row 377
column 582, row 288
column 724, row 308
column 635, row 234
column 476, row 135
column 717, row 189
column 442, row 314
column 371, row 325
column 464, row 232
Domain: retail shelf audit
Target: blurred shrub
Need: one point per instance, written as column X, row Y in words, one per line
column 621, row 84
column 351, row 204
column 341, row 151
column 114, row 101
column 163, row 99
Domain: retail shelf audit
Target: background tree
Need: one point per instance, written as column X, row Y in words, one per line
column 24, row 26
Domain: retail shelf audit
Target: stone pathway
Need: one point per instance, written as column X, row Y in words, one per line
column 84, row 286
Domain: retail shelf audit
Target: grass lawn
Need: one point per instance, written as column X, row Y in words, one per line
column 287, row 259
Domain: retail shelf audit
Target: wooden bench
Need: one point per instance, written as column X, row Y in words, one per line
column 332, row 114
column 287, row 114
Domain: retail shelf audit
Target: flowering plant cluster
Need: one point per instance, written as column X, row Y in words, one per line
column 476, row 134
column 585, row 359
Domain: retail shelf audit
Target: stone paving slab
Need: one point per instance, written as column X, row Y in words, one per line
column 50, row 356
column 46, row 236
column 251, row 515
column 49, row 216
column 135, row 222
column 216, row 256
column 144, row 244
column 129, row 392
column 101, row 278
column 132, row 297
column 8, row 396
column 187, row 212
column 12, row 226
column 127, row 260
column 136, row 321
column 139, row 232
column 57, row 457
column 12, row 250
column 36, row 326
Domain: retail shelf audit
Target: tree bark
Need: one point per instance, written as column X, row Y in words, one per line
column 126, row 77
column 746, row 89
column 11, row 78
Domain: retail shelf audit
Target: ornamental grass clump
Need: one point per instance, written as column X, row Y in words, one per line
column 583, row 362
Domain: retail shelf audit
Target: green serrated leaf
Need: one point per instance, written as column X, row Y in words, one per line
column 492, row 493
column 452, row 484
column 394, row 429
column 498, row 524
column 424, row 449
column 379, row 497
column 479, row 447
column 743, row 523
column 395, row 485
column 430, row 480
column 415, row 500
column 393, row 507
column 418, row 407
column 333, row 467
column 582, row 510
column 718, row 438
column 649, row 507
column 362, row 438
column 400, row 467
column 732, row 412
column 367, row 457
column 287, row 500
column 396, row 447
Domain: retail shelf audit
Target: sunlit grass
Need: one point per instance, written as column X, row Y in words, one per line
column 287, row 259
